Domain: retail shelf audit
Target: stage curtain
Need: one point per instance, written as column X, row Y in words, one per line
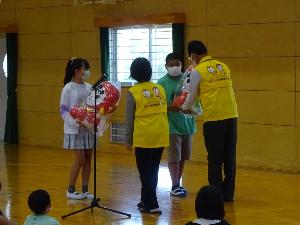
column 104, row 48
column 178, row 40
column 11, row 135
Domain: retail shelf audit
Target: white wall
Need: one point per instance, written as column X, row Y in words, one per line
column 3, row 87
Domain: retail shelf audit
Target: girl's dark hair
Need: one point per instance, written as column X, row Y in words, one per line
column 141, row 70
column 38, row 201
column 196, row 47
column 72, row 65
column 209, row 203
column 86, row 64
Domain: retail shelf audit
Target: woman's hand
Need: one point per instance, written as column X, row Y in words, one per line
column 128, row 147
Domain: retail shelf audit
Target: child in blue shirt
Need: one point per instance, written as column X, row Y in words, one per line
column 40, row 204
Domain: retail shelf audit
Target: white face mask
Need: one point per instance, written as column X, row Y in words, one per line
column 86, row 75
column 174, row 71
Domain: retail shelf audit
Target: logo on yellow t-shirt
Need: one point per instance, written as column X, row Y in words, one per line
column 147, row 93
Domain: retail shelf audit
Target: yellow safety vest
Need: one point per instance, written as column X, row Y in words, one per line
column 151, row 128
column 216, row 92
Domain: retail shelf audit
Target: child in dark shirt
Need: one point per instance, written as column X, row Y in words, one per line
column 209, row 206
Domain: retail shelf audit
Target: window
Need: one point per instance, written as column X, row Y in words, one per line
column 117, row 132
column 5, row 65
column 153, row 42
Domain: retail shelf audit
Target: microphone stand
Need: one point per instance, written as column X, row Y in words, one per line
column 96, row 201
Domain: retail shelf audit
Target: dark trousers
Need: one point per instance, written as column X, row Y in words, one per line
column 147, row 161
column 220, row 141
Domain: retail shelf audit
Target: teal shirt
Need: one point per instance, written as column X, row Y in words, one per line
column 41, row 220
column 179, row 123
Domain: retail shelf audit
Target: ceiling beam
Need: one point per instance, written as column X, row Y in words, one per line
column 139, row 20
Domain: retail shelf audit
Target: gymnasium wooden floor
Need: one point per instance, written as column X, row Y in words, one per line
column 262, row 198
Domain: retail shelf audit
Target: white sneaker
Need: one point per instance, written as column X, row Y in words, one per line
column 88, row 195
column 75, row 195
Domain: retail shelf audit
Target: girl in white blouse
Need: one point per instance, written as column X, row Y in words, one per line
column 77, row 137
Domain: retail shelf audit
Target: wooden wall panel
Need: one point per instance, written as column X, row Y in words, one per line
column 267, row 146
column 82, row 19
column 262, row 74
column 297, row 40
column 21, row 4
column 266, row 107
column 297, row 108
column 39, row 99
column 251, row 11
column 43, row 20
column 86, row 49
column 44, row 46
column 252, row 40
column 41, row 72
column 7, row 17
column 297, row 61
column 7, row 5
column 40, row 129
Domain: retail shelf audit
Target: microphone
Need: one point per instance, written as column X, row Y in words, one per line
column 102, row 79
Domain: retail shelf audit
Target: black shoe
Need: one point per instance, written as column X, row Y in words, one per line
column 155, row 211
column 140, row 205
column 177, row 192
column 183, row 189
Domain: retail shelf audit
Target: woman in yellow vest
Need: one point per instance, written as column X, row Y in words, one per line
column 211, row 82
column 147, row 130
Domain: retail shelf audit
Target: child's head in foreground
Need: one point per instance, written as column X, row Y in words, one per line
column 209, row 203
column 39, row 202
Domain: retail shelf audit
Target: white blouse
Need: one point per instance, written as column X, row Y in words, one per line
column 71, row 95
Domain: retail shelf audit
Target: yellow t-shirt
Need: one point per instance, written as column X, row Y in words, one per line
column 151, row 128
column 216, row 92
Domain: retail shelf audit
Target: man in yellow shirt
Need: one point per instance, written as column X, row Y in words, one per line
column 211, row 82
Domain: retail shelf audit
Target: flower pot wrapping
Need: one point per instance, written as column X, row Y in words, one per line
column 182, row 93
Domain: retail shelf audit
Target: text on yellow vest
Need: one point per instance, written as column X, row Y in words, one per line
column 150, row 98
column 151, row 128
column 216, row 92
